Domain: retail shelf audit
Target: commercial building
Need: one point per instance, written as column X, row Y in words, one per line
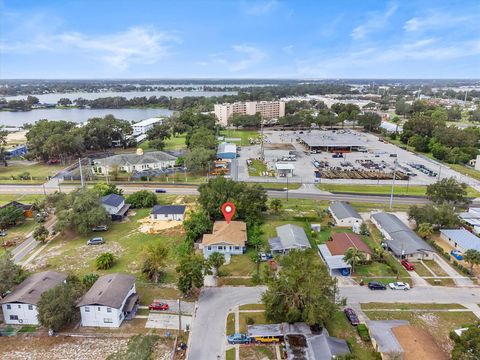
column 461, row 239
column 332, row 141
column 400, row 239
column 289, row 237
column 20, row 306
column 284, row 169
column 344, row 214
column 227, row 151
column 112, row 299
column 143, row 126
column 267, row 109
column 138, row 162
column 227, row 239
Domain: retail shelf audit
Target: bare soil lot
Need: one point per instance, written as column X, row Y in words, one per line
column 417, row 344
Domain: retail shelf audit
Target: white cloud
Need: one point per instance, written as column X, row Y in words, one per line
column 436, row 19
column 376, row 20
column 252, row 54
column 259, row 8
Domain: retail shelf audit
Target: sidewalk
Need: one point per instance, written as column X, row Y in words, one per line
column 457, row 278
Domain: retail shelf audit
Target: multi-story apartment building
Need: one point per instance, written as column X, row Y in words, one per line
column 267, row 109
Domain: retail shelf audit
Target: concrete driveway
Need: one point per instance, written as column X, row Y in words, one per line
column 167, row 321
column 187, row 307
column 207, row 340
column 382, row 333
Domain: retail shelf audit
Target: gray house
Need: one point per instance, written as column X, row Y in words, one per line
column 154, row 160
column 344, row 214
column 400, row 239
column 289, row 237
column 115, row 206
column 168, row 212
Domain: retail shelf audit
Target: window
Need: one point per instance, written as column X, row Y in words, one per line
column 109, row 309
column 13, row 317
column 208, row 248
column 237, row 247
column 98, row 308
column 30, row 307
column 87, row 309
column 19, row 306
column 107, row 320
column 9, row 306
column 120, row 316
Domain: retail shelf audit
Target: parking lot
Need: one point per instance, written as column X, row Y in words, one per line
column 375, row 155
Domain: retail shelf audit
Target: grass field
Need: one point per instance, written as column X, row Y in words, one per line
column 408, row 306
column 240, row 265
column 414, row 190
column 252, row 307
column 230, row 354
column 279, row 186
column 124, row 240
column 230, row 324
column 252, row 318
column 257, row 168
column 37, row 171
column 244, row 135
column 438, row 324
column 19, row 232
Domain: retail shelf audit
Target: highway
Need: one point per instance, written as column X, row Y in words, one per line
column 301, row 193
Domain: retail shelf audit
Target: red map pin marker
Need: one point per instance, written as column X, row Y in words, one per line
column 228, row 210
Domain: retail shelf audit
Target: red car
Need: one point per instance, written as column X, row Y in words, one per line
column 158, row 306
column 407, row 265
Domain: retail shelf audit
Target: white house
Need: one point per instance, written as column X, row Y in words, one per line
column 143, row 126
column 289, row 237
column 461, row 239
column 115, row 205
column 228, row 239
column 168, row 212
column 20, row 306
column 344, row 214
column 112, row 299
column 137, row 162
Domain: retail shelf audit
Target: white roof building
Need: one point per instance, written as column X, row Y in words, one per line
column 143, row 126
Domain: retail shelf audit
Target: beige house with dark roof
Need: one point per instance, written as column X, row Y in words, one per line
column 20, row 306
column 112, row 299
column 227, row 239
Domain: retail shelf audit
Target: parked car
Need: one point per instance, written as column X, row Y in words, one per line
column 457, row 254
column 100, row 228
column 265, row 256
column 374, row 285
column 399, row 286
column 266, row 339
column 351, row 316
column 158, row 306
column 3, row 233
column 407, row 265
column 160, row 191
column 239, row 339
column 96, row 241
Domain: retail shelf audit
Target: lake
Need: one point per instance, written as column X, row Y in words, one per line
column 77, row 115
column 53, row 98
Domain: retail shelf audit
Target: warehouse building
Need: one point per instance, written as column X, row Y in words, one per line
column 332, row 141
column 461, row 239
column 227, row 151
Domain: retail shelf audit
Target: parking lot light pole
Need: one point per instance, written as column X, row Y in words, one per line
column 393, row 183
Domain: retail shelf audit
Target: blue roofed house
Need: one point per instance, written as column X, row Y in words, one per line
column 115, row 206
column 168, row 212
column 461, row 239
column 16, row 151
column 227, row 151
column 289, row 237
column 227, row 239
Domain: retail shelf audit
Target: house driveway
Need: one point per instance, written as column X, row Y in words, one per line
column 381, row 331
column 167, row 321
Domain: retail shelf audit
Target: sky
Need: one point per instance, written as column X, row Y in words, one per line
column 239, row 39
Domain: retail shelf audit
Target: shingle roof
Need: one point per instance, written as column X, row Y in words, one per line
column 168, row 209
column 31, row 289
column 234, row 233
column 326, row 347
column 404, row 240
column 112, row 200
column 341, row 242
column 290, row 237
column 465, row 239
column 109, row 290
column 134, row 159
column 343, row 210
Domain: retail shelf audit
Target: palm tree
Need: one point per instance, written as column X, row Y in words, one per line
column 353, row 256
column 425, row 230
column 472, row 257
column 154, row 261
column 216, row 260
column 105, row 261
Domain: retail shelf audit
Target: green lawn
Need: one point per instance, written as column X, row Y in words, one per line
column 37, row 171
column 230, row 324
column 252, row 307
column 421, row 270
column 256, row 318
column 374, row 269
column 279, row 186
column 257, row 168
column 240, row 265
column 150, row 292
column 408, row 306
column 413, row 190
column 244, row 135
column 26, row 198
column 437, row 269
column 19, row 232
column 230, row 354
column 124, row 240
column 438, row 324
column 228, row 281
column 338, row 326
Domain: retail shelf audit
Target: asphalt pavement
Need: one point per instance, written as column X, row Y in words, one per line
column 208, row 337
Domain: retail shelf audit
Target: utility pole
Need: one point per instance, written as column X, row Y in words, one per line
column 81, row 172
column 179, row 317
column 262, row 155
column 287, row 187
column 393, row 183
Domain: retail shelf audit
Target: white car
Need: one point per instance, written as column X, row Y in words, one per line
column 399, row 286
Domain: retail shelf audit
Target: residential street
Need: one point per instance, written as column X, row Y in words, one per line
column 207, row 340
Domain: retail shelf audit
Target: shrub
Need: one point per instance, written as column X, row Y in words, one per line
column 250, row 321
column 363, row 332
column 105, row 261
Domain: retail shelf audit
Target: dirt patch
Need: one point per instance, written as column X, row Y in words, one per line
column 17, row 137
column 59, row 348
column 150, row 226
column 417, row 344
